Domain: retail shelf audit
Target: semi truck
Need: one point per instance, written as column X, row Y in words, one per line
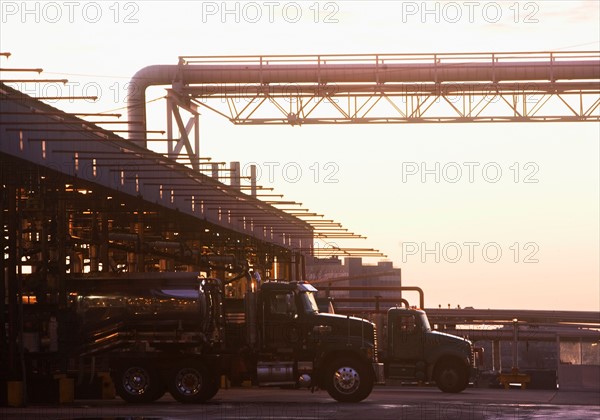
column 411, row 350
column 176, row 332
column 417, row 353
column 186, row 335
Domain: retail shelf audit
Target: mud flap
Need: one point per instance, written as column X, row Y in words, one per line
column 378, row 373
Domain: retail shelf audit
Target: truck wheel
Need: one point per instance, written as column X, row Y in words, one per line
column 138, row 383
column 451, row 377
column 349, row 380
column 191, row 382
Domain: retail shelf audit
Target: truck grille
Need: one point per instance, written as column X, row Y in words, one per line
column 235, row 318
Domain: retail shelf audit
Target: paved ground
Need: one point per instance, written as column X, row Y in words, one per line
column 389, row 402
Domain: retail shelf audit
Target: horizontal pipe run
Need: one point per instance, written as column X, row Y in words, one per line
column 37, row 113
column 238, row 91
column 474, row 69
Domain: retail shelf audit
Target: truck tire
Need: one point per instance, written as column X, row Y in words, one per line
column 138, row 383
column 191, row 382
column 349, row 380
column 451, row 377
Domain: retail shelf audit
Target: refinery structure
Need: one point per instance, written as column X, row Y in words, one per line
column 81, row 197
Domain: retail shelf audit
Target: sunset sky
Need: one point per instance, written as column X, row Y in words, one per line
column 543, row 213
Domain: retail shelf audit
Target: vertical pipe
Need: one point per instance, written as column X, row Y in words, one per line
column 275, row 268
column 515, row 347
column 298, row 267
column 558, row 364
column 94, row 258
column 400, row 281
column 302, row 267
column 45, row 258
column 140, row 257
column 95, row 239
column 168, row 264
column 4, row 230
column 104, row 255
column 234, row 180
column 292, row 268
column 496, row 356
column 19, row 293
column 3, row 274
column 215, row 170
column 12, row 279
column 250, row 302
column 196, row 140
column 253, row 180
column 61, row 233
column 131, row 266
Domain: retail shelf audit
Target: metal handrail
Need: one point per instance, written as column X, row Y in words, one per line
column 403, row 58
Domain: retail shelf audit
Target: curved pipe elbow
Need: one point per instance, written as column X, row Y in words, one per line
column 136, row 96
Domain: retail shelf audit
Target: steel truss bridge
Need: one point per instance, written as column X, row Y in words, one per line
column 370, row 89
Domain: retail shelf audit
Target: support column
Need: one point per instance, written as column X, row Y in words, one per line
column 234, row 175
column 44, row 262
column 302, row 267
column 253, row 180
column 214, row 167
column 196, row 159
column 104, row 255
column 515, row 346
column 3, row 275
column 61, row 233
column 95, row 240
column 12, row 282
column 496, row 356
column 140, row 259
column 292, row 268
column 168, row 264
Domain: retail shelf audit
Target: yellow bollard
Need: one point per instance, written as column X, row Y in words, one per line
column 14, row 391
column 66, row 388
column 108, row 387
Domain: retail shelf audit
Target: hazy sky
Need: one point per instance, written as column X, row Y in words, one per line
column 541, row 215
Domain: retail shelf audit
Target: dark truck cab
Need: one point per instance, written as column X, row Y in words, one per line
column 415, row 352
column 294, row 344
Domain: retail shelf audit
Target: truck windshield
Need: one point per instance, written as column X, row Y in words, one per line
column 309, row 303
column 425, row 323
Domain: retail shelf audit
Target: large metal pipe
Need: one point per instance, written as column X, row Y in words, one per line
column 320, row 74
column 377, row 289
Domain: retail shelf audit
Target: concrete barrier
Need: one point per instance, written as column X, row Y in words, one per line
column 579, row 377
